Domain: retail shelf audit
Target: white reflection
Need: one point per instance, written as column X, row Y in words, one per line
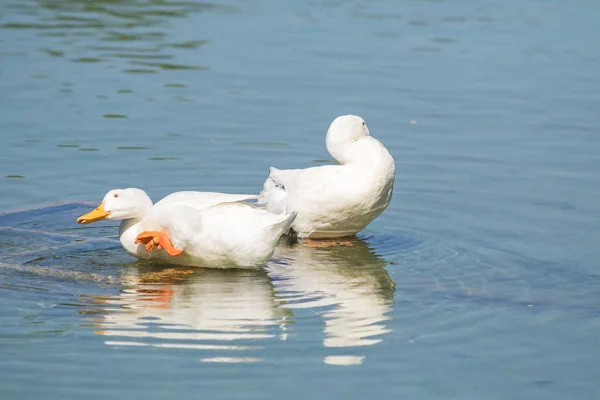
column 190, row 309
column 231, row 315
column 349, row 282
column 343, row 360
column 232, row 359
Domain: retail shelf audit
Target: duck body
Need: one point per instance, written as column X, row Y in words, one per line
column 129, row 228
column 220, row 236
column 335, row 201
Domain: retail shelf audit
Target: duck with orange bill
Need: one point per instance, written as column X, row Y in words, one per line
column 200, row 229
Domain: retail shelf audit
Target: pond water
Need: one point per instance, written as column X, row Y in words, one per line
column 481, row 280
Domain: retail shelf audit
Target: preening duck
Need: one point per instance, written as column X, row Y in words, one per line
column 335, row 201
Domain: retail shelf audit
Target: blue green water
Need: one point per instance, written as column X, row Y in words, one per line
column 481, row 280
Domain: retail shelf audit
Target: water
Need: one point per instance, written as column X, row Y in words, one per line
column 479, row 281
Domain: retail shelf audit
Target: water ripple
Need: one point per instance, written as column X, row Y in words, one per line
column 82, row 27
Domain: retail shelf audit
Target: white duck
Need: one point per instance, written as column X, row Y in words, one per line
column 335, row 201
column 227, row 234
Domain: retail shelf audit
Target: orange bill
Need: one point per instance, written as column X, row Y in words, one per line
column 158, row 239
column 98, row 214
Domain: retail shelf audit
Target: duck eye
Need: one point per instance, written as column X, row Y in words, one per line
column 116, row 195
column 364, row 123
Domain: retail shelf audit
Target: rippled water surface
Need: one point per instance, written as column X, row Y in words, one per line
column 481, row 279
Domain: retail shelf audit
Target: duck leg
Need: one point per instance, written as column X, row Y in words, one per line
column 159, row 240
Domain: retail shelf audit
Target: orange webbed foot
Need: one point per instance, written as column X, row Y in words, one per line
column 159, row 240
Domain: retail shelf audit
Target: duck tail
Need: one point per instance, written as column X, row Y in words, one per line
column 284, row 224
column 289, row 220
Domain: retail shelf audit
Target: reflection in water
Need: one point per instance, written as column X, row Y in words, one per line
column 233, row 310
column 349, row 280
column 190, row 309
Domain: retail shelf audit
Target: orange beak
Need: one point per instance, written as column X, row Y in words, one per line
column 98, row 214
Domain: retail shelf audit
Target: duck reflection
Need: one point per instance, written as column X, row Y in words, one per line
column 349, row 281
column 189, row 308
column 232, row 310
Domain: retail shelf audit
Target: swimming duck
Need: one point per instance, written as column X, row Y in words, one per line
column 172, row 229
column 334, row 201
